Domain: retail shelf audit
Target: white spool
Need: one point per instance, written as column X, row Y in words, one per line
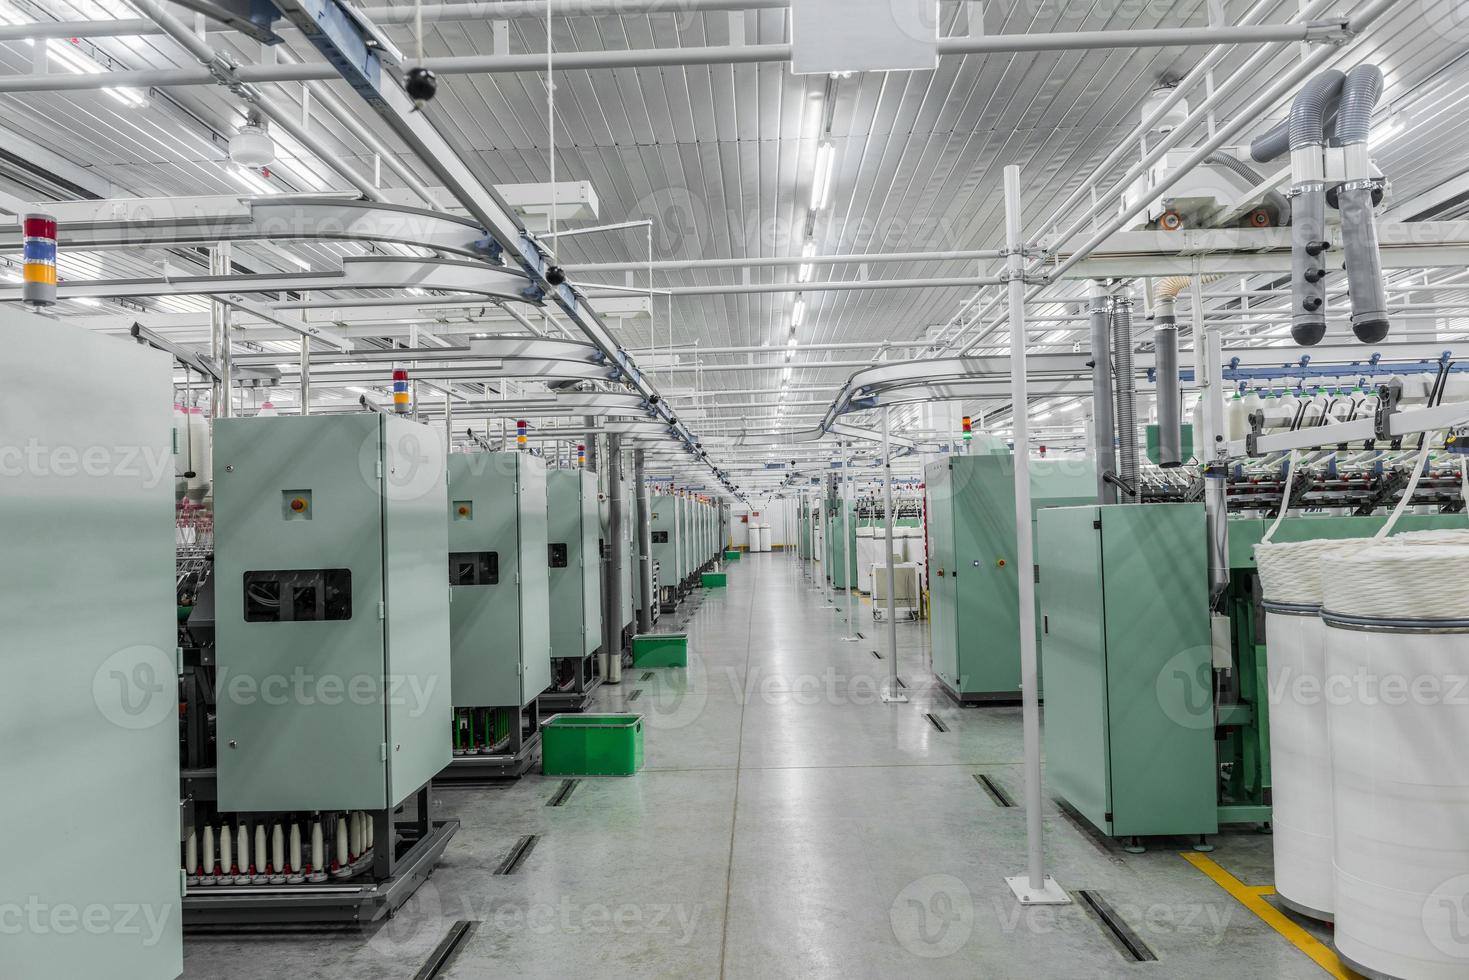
column 1398, row 713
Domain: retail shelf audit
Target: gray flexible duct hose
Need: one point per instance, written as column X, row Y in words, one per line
column 1126, row 389
column 1309, row 108
column 1359, row 228
column 1274, row 199
column 1170, row 394
column 1275, row 141
column 1308, row 206
column 1103, row 425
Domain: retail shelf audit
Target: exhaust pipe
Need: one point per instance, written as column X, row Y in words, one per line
column 1104, row 429
column 1356, row 197
column 1308, row 206
column 1126, row 384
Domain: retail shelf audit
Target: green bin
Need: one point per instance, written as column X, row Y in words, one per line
column 713, row 580
column 592, row 745
column 732, row 555
column 660, row 650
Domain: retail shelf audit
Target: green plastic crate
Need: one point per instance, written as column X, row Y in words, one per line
column 592, row 745
column 732, row 555
column 660, row 650
column 713, row 580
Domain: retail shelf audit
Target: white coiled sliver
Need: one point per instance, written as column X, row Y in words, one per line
column 1417, row 579
column 1418, row 465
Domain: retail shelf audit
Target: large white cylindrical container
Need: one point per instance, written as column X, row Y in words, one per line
column 197, row 461
column 867, row 554
column 1397, row 657
column 1300, row 760
column 180, row 451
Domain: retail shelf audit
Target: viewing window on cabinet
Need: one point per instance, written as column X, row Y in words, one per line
column 660, row 537
column 474, row 568
column 558, row 555
column 298, row 595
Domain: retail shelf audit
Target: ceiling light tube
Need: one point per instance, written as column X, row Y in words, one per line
column 821, row 184
column 798, row 313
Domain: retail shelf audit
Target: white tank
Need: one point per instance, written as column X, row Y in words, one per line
column 1236, row 418
column 1300, row 764
column 198, row 460
column 180, row 450
column 1396, row 720
column 868, row 552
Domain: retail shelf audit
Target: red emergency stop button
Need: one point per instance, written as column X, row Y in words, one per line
column 298, row 504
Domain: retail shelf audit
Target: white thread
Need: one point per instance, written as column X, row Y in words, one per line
column 1290, row 477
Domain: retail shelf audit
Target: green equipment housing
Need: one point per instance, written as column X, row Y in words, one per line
column 330, row 545
column 499, row 613
column 1153, row 727
column 974, row 591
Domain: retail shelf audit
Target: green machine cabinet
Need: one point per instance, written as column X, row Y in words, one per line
column 575, row 561
column 1126, row 649
column 662, row 519
column 330, row 545
column 500, row 610
column 841, row 524
column 89, row 707
column 629, row 546
column 974, row 590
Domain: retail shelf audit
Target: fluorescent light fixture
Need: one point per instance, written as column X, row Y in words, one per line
column 1389, row 130
column 804, row 273
column 87, row 300
column 798, row 313
column 821, row 184
column 252, row 180
column 791, row 344
column 65, row 53
column 359, row 391
column 785, row 376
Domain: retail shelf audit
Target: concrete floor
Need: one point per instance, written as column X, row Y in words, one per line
column 787, row 823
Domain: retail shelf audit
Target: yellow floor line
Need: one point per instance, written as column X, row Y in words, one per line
column 1253, row 898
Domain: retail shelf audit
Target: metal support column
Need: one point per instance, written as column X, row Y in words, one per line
column 305, row 375
column 1104, row 429
column 612, row 615
column 893, row 693
column 1035, row 887
column 645, row 542
column 848, row 530
column 219, row 336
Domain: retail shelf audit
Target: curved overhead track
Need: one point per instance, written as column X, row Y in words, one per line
column 356, row 273
column 128, row 223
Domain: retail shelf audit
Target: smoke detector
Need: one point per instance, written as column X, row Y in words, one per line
column 252, row 146
column 1173, row 118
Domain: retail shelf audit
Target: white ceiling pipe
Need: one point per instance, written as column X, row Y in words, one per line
column 757, row 262
column 659, row 57
column 592, row 292
column 538, row 9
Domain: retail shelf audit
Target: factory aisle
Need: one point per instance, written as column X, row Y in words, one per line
column 787, row 824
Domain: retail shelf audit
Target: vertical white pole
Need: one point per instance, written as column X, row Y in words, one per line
column 894, row 694
column 848, row 529
column 1035, row 887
